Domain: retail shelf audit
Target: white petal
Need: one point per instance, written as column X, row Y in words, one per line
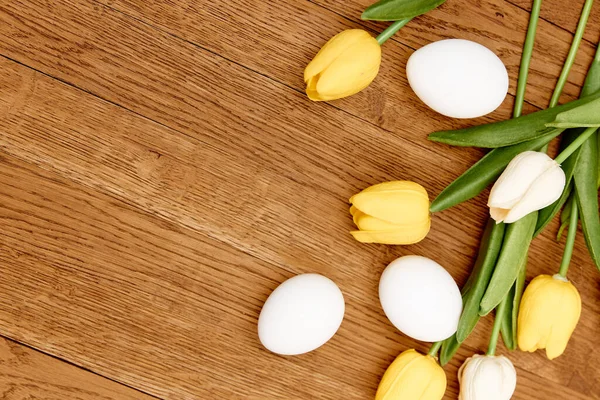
column 498, row 214
column 543, row 192
column 516, row 179
column 487, row 378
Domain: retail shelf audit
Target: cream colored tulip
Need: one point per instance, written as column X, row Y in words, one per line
column 531, row 181
column 487, row 378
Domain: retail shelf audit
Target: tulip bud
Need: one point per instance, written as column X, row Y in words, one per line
column 487, row 378
column 549, row 312
column 412, row 376
column 391, row 213
column 531, row 181
column 347, row 64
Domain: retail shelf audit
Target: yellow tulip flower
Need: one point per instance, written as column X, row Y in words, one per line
column 550, row 310
column 412, row 376
column 391, row 213
column 347, row 64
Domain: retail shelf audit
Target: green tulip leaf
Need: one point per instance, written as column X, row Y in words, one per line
column 512, row 256
column 510, row 132
column 592, row 79
column 518, row 287
column 586, row 188
column 394, row 10
column 484, row 172
column 506, row 323
column 473, row 291
column 585, row 115
column 598, row 154
column 449, row 348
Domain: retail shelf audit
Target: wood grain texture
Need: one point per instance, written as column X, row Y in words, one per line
column 565, row 15
column 28, row 374
column 134, row 298
column 155, row 198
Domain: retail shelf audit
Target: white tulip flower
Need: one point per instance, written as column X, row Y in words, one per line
column 487, row 378
column 530, row 182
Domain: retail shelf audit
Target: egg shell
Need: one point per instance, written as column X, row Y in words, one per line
column 458, row 78
column 301, row 314
column 420, row 298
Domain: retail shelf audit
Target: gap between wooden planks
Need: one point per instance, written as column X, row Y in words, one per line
column 134, row 298
column 114, row 189
column 33, row 102
column 26, row 373
column 301, row 27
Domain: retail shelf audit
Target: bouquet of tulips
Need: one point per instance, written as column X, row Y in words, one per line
column 529, row 189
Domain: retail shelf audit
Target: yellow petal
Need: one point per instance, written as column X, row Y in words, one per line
column 351, row 72
column 345, row 65
column 550, row 310
column 566, row 317
column 396, row 202
column 332, row 50
column 410, row 235
column 394, row 186
column 412, row 376
column 366, row 222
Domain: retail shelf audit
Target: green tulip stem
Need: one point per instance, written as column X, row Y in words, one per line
column 575, row 145
column 391, row 30
column 585, row 13
column 560, row 84
column 566, row 260
column 496, row 330
column 526, row 58
column 435, row 348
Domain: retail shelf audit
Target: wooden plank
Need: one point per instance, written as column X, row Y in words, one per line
column 292, row 26
column 225, row 27
column 105, row 147
column 566, row 15
column 167, row 310
column 29, row 374
column 291, row 170
column 500, row 26
column 529, row 387
column 274, row 23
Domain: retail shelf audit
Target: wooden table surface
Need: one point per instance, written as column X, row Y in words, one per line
column 162, row 171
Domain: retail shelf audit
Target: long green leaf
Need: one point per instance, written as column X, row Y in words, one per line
column 506, row 326
column 592, row 79
column 475, row 287
column 590, row 86
column 514, row 250
column 449, row 348
column 519, row 288
column 484, row 172
column 509, row 132
column 585, row 115
column 586, row 187
column 394, row 10
column 598, row 155
column 509, row 320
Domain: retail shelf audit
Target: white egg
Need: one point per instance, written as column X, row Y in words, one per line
column 458, row 78
column 420, row 298
column 301, row 314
